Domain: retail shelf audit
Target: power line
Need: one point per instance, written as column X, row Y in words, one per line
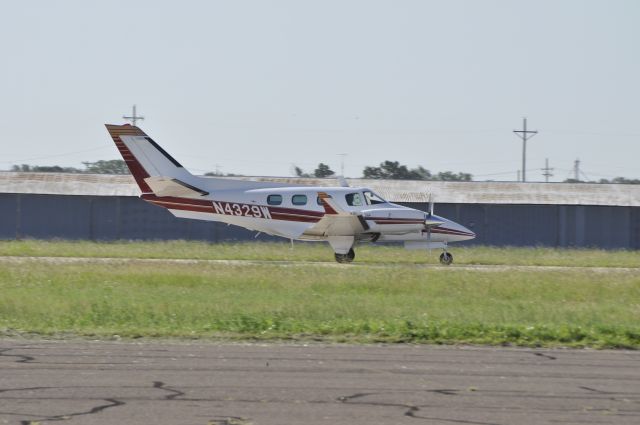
column 56, row 155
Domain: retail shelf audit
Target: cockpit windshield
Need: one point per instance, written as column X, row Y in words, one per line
column 373, row 199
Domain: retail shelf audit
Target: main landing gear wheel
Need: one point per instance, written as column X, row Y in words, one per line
column 446, row 258
column 345, row 258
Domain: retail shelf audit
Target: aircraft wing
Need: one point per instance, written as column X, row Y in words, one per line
column 336, row 220
column 167, row 186
column 339, row 226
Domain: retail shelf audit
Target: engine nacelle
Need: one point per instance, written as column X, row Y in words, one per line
column 394, row 220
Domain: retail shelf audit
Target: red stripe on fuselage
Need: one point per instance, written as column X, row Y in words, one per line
column 295, row 211
column 183, row 207
column 200, row 205
column 447, row 231
column 386, row 220
column 201, row 202
column 294, row 217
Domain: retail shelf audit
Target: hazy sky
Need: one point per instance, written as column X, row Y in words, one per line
column 253, row 87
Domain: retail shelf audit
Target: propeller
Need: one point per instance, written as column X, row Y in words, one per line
column 429, row 221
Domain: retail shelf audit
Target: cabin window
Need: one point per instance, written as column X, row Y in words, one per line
column 319, row 201
column 274, row 199
column 353, row 199
column 299, row 199
column 373, row 199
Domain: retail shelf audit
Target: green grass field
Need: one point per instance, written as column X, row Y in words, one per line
column 395, row 302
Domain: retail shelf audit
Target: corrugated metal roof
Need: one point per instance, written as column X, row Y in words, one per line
column 393, row 190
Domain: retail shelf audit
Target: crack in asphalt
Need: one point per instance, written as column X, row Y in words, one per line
column 444, row 392
column 457, row 421
column 4, row 390
column 23, row 358
column 229, row 420
column 348, row 400
column 112, row 402
column 546, row 356
column 593, row 390
column 412, row 409
column 174, row 393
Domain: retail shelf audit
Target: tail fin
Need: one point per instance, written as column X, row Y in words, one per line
column 145, row 158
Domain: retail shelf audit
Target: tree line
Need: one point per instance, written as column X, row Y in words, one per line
column 615, row 180
column 115, row 166
column 388, row 170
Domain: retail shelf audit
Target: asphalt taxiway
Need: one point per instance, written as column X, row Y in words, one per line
column 86, row 382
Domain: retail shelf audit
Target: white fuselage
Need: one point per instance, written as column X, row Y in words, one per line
column 293, row 212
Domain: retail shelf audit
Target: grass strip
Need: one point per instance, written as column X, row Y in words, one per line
column 575, row 308
column 266, row 251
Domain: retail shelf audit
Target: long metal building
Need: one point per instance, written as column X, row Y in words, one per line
column 106, row 207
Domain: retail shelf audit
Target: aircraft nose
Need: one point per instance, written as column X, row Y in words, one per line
column 460, row 231
column 472, row 235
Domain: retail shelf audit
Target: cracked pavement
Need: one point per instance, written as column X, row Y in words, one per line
column 85, row 382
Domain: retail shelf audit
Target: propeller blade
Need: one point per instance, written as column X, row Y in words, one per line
column 430, row 204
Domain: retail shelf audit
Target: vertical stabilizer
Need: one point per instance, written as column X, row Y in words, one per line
column 144, row 157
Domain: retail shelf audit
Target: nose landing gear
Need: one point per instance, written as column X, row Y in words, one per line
column 345, row 258
column 446, row 258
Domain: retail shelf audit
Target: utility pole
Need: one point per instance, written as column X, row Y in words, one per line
column 342, row 155
column 547, row 171
column 576, row 170
column 524, row 135
column 134, row 118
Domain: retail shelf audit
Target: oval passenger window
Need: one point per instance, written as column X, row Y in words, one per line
column 299, row 199
column 274, row 199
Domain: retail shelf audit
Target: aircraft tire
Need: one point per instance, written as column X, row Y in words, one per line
column 345, row 258
column 446, row 258
column 351, row 255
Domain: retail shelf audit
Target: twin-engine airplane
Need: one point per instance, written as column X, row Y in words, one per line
column 342, row 216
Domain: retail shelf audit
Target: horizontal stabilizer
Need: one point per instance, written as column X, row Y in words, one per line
column 167, row 186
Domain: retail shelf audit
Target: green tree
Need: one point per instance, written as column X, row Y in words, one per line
column 114, row 166
column 322, row 171
column 422, row 172
column 25, row 168
column 454, row 177
column 624, row 180
column 393, row 170
column 299, row 172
